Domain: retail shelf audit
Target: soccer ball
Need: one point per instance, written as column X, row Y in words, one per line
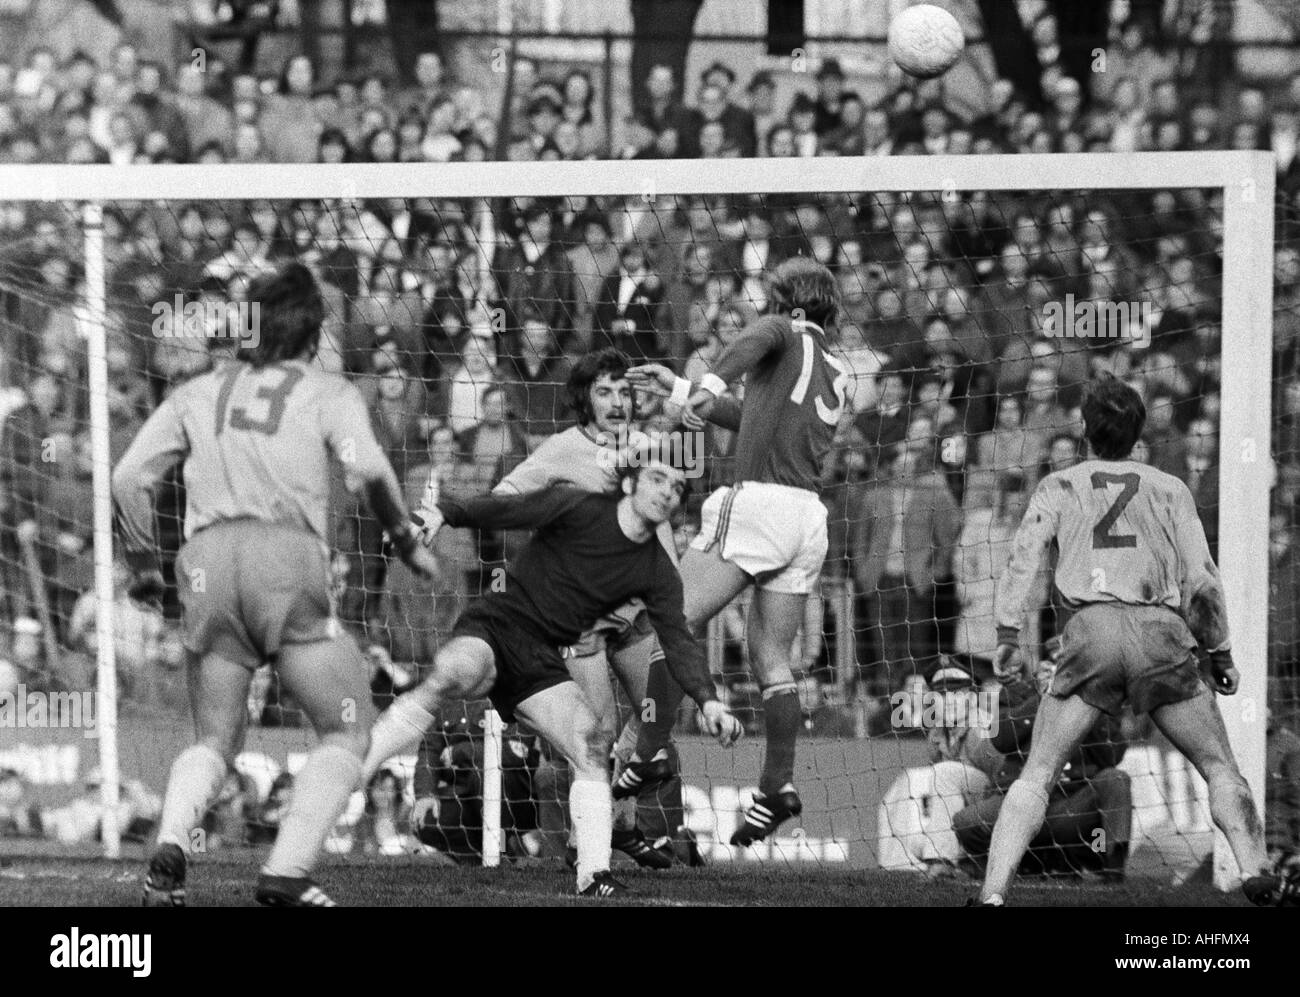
column 925, row 41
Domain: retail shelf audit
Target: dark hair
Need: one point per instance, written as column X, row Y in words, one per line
column 1113, row 417
column 804, row 285
column 291, row 312
column 610, row 361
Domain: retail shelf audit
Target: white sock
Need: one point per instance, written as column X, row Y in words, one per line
column 1021, row 817
column 321, row 790
column 194, row 782
column 593, row 822
column 404, row 722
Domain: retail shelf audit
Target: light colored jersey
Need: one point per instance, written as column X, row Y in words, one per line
column 573, row 457
column 256, row 444
column 1127, row 533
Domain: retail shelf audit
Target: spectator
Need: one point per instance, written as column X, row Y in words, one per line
column 470, row 380
column 830, row 99
column 907, row 529
column 1008, row 448
column 535, row 271
column 535, row 384
column 1201, row 473
column 762, row 108
column 627, row 310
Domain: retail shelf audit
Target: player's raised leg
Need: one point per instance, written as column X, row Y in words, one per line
column 1195, row 727
column 562, row 715
column 328, row 679
column 464, row 668
column 1059, row 728
column 773, row 624
column 219, row 700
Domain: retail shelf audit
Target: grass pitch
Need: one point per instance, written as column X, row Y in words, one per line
column 226, row 880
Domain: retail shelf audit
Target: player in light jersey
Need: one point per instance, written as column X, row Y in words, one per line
column 1135, row 566
column 256, row 436
column 769, row 528
column 587, row 456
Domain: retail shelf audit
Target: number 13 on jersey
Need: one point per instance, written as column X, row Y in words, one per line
column 827, row 414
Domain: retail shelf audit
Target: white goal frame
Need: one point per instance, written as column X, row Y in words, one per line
column 1245, row 178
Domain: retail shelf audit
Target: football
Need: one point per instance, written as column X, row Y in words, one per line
column 925, row 41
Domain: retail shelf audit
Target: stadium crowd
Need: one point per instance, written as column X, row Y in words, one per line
column 460, row 320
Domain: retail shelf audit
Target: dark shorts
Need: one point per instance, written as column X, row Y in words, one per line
column 248, row 587
column 525, row 664
column 1142, row 655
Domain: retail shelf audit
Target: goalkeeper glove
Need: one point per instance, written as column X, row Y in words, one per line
column 1226, row 678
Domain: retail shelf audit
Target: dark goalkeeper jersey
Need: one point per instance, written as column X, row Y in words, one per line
column 578, row 566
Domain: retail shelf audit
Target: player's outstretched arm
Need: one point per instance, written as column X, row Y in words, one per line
column 1036, row 531
column 157, row 447
column 697, row 404
column 682, row 653
column 512, row 512
column 346, row 426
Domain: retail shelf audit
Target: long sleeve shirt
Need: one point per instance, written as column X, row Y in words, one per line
column 578, row 566
column 1128, row 533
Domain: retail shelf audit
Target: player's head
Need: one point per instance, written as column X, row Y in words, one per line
column 290, row 312
column 599, row 391
column 803, row 288
column 653, row 486
column 1113, row 417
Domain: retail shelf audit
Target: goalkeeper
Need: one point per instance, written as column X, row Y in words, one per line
column 586, row 456
column 590, row 555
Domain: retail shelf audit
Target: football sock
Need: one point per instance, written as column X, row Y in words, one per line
column 403, row 723
column 659, row 713
column 1233, row 811
column 194, row 782
column 781, row 720
column 1020, row 818
column 320, row 792
column 625, row 746
column 590, row 808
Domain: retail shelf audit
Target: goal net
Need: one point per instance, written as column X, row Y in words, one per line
column 979, row 294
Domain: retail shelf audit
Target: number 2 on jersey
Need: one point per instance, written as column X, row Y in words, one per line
column 1102, row 538
column 275, row 395
column 828, row 415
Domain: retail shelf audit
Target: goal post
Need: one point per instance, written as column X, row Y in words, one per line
column 1245, row 181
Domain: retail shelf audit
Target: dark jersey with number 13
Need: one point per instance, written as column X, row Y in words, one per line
column 794, row 396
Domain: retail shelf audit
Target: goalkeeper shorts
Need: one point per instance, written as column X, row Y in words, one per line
column 525, row 663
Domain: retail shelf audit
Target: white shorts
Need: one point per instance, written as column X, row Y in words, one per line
column 775, row 533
